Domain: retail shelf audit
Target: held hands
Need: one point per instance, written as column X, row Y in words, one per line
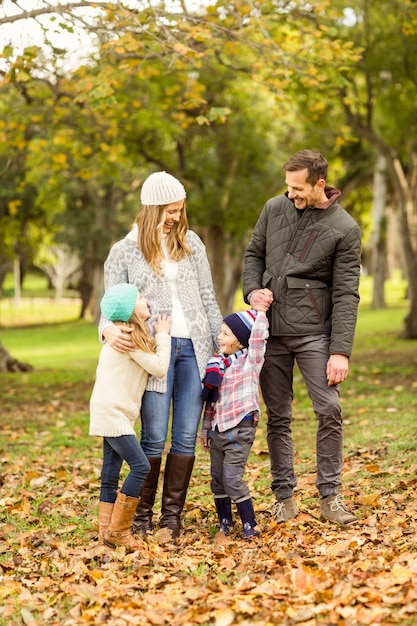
column 261, row 300
column 337, row 369
column 162, row 323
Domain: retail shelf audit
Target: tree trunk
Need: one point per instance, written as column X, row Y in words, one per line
column 215, row 247
column 9, row 364
column 17, row 281
column 226, row 268
column 233, row 274
column 93, row 309
column 86, row 288
column 409, row 328
column 406, row 191
column 379, row 247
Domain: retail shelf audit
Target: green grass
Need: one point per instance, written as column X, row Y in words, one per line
column 34, row 285
column 62, row 347
column 37, row 303
column 35, row 311
column 50, row 479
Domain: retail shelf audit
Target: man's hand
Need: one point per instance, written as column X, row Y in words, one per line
column 261, row 299
column 337, row 369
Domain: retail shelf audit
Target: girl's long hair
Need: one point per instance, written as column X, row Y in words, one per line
column 141, row 335
column 150, row 222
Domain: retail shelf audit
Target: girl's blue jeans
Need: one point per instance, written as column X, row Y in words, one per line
column 115, row 451
column 182, row 399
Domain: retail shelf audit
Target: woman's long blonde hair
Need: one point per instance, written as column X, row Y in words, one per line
column 141, row 335
column 150, row 223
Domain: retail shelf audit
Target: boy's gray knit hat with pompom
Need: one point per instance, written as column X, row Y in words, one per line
column 118, row 303
column 161, row 188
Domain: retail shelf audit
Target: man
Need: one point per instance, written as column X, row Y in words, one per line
column 303, row 262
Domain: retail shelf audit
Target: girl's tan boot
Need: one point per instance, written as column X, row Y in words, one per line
column 105, row 510
column 119, row 532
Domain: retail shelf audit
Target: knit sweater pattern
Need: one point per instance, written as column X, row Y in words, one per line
column 126, row 263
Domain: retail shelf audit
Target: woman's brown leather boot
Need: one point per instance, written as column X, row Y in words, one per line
column 177, row 476
column 142, row 519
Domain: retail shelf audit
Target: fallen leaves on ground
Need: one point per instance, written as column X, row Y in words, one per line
column 306, row 571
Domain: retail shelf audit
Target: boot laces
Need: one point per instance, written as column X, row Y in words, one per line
column 337, row 504
column 278, row 509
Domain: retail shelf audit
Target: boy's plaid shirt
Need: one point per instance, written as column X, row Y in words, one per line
column 239, row 390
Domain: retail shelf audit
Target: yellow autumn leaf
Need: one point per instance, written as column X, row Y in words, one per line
column 223, row 617
column 60, row 158
column 180, row 48
column 96, row 575
column 227, row 563
column 401, row 573
column 14, row 206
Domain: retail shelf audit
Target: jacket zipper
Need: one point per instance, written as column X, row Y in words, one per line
column 308, row 245
column 313, row 302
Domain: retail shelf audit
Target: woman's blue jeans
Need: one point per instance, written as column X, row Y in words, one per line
column 115, row 451
column 183, row 396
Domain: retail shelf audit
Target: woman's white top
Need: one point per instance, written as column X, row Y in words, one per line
column 170, row 270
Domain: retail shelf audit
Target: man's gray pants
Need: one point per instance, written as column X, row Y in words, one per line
column 311, row 354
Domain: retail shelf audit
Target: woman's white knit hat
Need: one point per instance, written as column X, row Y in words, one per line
column 161, row 188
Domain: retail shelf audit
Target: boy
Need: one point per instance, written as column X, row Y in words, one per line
column 231, row 394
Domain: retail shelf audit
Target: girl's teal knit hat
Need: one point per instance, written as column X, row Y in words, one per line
column 118, row 303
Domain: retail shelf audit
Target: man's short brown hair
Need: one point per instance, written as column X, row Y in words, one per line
column 311, row 160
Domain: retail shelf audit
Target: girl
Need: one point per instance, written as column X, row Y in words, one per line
column 115, row 405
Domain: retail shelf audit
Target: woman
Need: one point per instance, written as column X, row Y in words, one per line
column 168, row 264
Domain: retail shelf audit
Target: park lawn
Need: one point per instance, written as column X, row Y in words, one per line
column 303, row 572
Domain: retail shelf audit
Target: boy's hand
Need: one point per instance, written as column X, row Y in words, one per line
column 204, row 440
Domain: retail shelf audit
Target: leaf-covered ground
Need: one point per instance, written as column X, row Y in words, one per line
column 309, row 572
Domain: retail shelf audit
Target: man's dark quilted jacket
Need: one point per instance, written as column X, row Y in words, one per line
column 312, row 265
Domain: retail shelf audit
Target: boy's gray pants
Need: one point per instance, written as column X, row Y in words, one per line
column 229, row 453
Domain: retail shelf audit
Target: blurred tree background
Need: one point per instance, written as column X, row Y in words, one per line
column 219, row 94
